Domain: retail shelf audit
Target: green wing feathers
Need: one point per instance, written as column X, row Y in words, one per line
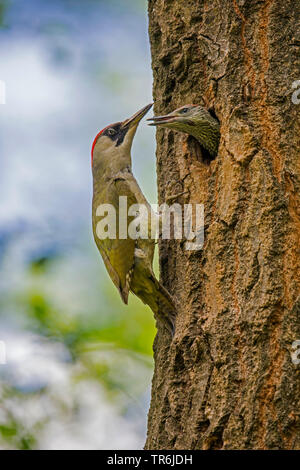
column 118, row 254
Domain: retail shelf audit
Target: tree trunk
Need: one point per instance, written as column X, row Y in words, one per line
column 227, row 380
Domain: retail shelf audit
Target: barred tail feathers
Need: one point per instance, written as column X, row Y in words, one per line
column 154, row 294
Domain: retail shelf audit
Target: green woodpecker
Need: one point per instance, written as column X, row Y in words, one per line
column 196, row 121
column 127, row 260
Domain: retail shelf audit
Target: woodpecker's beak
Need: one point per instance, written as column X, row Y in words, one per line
column 167, row 119
column 134, row 120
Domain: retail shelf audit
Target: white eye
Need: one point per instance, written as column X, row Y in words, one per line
column 111, row 131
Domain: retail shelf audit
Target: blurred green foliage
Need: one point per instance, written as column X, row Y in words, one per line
column 109, row 344
column 3, row 4
column 131, row 327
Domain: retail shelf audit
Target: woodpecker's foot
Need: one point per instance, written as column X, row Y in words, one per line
column 175, row 196
column 169, row 322
column 173, row 330
column 169, row 326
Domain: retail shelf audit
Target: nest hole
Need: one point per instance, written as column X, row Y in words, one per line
column 197, row 149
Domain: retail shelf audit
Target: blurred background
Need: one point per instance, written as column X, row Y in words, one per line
column 78, row 363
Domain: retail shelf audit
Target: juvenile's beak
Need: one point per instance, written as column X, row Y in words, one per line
column 134, row 120
column 167, row 119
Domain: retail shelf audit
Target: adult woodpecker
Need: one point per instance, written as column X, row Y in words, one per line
column 196, row 121
column 127, row 260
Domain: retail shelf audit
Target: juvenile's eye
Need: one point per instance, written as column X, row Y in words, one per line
column 184, row 110
column 111, row 131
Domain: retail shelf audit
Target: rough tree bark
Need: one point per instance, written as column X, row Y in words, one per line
column 227, row 380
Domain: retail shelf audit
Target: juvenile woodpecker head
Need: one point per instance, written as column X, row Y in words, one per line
column 112, row 146
column 194, row 120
